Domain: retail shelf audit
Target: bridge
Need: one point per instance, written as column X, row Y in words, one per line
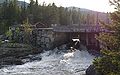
column 86, row 34
column 58, row 35
column 82, row 28
column 49, row 37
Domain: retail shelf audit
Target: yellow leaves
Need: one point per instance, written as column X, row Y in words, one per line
column 9, row 33
column 27, row 27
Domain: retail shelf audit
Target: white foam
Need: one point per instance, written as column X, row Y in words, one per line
column 72, row 63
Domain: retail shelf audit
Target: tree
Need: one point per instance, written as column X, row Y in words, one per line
column 16, row 36
column 62, row 16
column 3, row 20
column 23, row 13
column 9, row 34
column 109, row 63
column 27, row 31
column 31, row 6
column 54, row 17
column 34, row 11
column 10, row 13
column 13, row 12
column 75, row 16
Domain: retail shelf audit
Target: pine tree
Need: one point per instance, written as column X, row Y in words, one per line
column 62, row 16
column 109, row 63
column 23, row 13
column 3, row 22
column 36, row 3
column 54, row 14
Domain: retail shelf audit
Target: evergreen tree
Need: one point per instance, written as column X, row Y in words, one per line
column 23, row 13
column 54, row 14
column 75, row 15
column 62, row 16
column 31, row 6
column 36, row 12
column 13, row 10
column 36, row 3
column 10, row 12
column 109, row 63
column 31, row 10
column 68, row 16
column 2, row 22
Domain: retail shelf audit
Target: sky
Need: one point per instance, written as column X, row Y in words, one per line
column 96, row 5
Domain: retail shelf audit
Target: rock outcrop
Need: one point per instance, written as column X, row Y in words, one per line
column 91, row 71
column 13, row 53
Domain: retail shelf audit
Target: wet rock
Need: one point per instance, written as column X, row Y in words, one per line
column 36, row 58
column 10, row 61
column 95, row 53
column 31, row 58
column 91, row 71
column 25, row 60
column 13, row 53
column 62, row 47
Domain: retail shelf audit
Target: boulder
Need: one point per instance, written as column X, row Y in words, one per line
column 91, row 71
column 33, row 57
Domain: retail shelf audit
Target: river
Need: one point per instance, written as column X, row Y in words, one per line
column 53, row 63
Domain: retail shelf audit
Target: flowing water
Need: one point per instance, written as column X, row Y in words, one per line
column 53, row 63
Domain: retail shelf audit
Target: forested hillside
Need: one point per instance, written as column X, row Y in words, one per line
column 13, row 12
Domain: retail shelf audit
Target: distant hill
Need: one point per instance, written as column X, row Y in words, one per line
column 99, row 15
column 20, row 3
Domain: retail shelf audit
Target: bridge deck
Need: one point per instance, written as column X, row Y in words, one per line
column 79, row 29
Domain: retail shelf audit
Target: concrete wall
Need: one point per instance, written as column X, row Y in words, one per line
column 48, row 39
column 44, row 38
column 59, row 39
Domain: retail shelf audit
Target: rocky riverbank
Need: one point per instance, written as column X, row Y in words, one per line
column 14, row 53
column 92, row 71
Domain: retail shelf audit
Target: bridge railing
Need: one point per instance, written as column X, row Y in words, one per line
column 80, row 29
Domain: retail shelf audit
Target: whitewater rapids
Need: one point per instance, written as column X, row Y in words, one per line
column 52, row 63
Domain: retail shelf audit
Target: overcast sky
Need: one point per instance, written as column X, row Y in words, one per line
column 97, row 5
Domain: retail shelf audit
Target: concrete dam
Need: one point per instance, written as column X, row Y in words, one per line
column 55, row 36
